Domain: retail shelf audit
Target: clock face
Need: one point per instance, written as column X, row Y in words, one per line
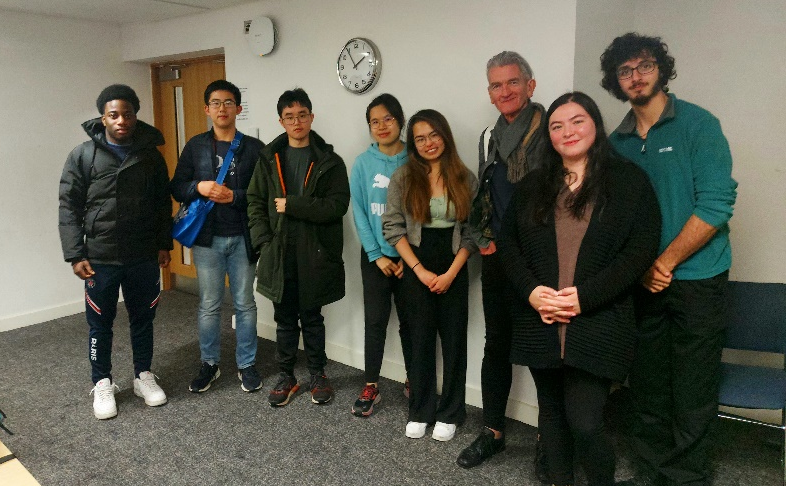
column 358, row 65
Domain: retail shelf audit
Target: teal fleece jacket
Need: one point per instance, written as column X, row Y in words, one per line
column 688, row 161
column 368, row 184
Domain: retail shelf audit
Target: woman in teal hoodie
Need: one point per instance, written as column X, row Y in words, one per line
column 380, row 265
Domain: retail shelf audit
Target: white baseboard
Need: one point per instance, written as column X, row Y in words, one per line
column 517, row 410
column 43, row 315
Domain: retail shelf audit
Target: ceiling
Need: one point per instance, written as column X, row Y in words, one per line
column 117, row 11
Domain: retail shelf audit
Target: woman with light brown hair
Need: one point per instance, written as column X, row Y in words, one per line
column 427, row 209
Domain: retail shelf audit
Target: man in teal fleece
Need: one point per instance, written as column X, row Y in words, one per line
column 675, row 376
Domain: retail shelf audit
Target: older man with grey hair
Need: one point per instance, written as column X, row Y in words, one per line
column 508, row 151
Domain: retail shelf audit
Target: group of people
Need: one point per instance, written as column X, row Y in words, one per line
column 603, row 256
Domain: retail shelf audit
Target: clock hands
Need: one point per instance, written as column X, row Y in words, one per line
column 355, row 66
column 350, row 57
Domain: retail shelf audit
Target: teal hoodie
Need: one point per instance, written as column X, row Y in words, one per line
column 689, row 164
column 369, row 188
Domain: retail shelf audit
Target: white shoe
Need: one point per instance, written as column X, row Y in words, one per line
column 104, row 405
column 146, row 387
column 416, row 430
column 443, row 432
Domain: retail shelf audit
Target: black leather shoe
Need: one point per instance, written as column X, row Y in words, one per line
column 481, row 449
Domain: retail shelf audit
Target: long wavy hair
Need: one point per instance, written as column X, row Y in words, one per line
column 455, row 175
column 552, row 177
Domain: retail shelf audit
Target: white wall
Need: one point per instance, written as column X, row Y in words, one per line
column 52, row 71
column 433, row 55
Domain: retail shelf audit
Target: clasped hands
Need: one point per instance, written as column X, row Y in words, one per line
column 217, row 193
column 555, row 305
column 438, row 284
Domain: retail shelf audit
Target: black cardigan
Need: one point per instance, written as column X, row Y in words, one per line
column 620, row 244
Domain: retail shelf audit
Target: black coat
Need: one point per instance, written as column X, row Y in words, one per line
column 620, row 244
column 114, row 211
column 320, row 210
column 196, row 164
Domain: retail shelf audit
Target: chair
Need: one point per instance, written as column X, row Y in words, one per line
column 756, row 320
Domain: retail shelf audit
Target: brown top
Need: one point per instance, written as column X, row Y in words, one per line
column 570, row 233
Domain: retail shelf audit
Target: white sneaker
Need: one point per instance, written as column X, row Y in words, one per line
column 443, row 432
column 416, row 430
column 146, row 387
column 104, row 406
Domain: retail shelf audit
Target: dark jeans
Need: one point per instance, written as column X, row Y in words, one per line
column 377, row 291
column 141, row 289
column 675, row 377
column 571, row 403
column 429, row 315
column 496, row 374
column 287, row 314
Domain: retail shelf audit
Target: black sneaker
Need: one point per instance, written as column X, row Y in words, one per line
column 249, row 379
column 286, row 386
column 207, row 375
column 321, row 391
column 364, row 405
column 481, row 449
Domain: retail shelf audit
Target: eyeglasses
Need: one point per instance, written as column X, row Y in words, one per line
column 302, row 118
column 644, row 67
column 377, row 124
column 218, row 103
column 432, row 137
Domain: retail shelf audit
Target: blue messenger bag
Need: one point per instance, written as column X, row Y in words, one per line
column 191, row 217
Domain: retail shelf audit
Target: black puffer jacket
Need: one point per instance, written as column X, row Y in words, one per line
column 196, row 165
column 114, row 211
column 320, row 209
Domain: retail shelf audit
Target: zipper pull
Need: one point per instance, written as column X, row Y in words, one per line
column 644, row 147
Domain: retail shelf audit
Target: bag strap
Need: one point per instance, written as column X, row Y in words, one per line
column 486, row 142
column 229, row 156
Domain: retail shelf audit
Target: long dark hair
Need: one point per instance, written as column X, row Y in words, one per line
column 552, row 177
column 417, row 190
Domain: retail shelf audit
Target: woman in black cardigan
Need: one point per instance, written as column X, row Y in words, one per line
column 582, row 232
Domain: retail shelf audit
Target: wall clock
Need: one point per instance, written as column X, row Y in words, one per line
column 358, row 66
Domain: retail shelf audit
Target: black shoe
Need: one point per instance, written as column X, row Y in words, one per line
column 207, row 375
column 481, row 449
column 321, row 391
column 541, row 465
column 249, row 379
column 286, row 386
column 364, row 405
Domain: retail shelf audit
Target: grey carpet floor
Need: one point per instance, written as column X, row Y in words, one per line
column 227, row 437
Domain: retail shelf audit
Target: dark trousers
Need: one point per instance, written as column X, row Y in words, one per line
column 287, row 314
column 377, row 292
column 141, row 290
column 675, row 377
column 496, row 373
column 571, row 403
column 429, row 315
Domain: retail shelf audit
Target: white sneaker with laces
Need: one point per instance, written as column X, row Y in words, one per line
column 104, row 405
column 146, row 387
column 416, row 430
column 443, row 432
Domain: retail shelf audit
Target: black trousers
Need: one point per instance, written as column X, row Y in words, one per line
column 676, row 374
column 287, row 314
column 140, row 283
column 377, row 292
column 496, row 373
column 429, row 315
column 571, row 403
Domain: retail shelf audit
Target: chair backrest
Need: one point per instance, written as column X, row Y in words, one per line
column 756, row 317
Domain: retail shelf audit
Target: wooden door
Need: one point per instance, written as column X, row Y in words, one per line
column 178, row 109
